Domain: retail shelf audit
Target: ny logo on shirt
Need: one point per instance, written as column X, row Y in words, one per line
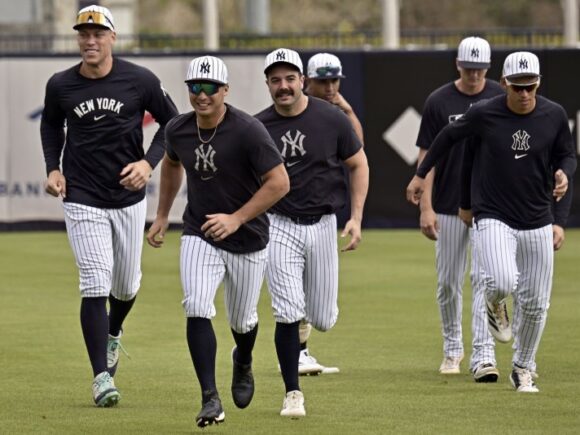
column 521, row 138
column 295, row 143
column 205, row 158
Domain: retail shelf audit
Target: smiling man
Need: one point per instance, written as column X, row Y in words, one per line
column 102, row 181
column 234, row 174
column 522, row 158
column 314, row 138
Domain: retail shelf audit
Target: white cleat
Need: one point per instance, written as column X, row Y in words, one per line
column 450, row 365
column 307, row 364
column 293, row 405
column 523, row 381
column 498, row 321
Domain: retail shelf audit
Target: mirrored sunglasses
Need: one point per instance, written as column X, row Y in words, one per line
column 208, row 89
column 94, row 17
column 325, row 71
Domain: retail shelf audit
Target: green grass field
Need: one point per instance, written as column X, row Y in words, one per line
column 387, row 344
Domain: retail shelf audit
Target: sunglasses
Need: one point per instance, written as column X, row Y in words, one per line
column 208, row 89
column 528, row 87
column 93, row 17
column 325, row 71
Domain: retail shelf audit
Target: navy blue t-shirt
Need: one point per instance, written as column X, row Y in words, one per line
column 104, row 120
column 515, row 159
column 313, row 145
column 444, row 106
column 224, row 174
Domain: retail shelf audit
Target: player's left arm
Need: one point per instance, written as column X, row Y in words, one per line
column 359, row 185
column 156, row 101
column 563, row 158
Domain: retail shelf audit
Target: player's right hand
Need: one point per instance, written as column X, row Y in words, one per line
column 56, row 184
column 429, row 224
column 466, row 217
column 157, row 231
column 415, row 190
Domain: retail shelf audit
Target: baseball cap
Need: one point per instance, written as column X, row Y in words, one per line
column 96, row 15
column 209, row 69
column 283, row 55
column 474, row 53
column 521, row 64
column 325, row 66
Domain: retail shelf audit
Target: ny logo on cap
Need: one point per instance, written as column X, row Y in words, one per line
column 474, row 52
column 204, row 67
column 280, row 55
column 523, row 64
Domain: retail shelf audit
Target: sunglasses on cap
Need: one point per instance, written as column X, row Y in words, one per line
column 325, row 71
column 94, row 17
column 520, row 87
column 208, row 88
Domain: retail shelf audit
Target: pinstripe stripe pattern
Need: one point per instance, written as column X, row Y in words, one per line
column 519, row 262
column 451, row 261
column 474, row 50
column 521, row 63
column 302, row 271
column 203, row 267
column 207, row 68
column 483, row 344
column 107, row 245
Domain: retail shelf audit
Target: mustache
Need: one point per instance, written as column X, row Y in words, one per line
column 284, row 92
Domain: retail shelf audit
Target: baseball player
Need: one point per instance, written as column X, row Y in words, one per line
column 234, row 174
column 105, row 169
column 314, row 137
column 324, row 72
column 439, row 207
column 523, row 155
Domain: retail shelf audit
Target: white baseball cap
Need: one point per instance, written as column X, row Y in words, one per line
column 521, row 64
column 325, row 66
column 283, row 55
column 474, row 53
column 96, row 15
column 209, row 69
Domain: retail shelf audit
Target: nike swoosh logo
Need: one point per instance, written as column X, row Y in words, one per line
column 519, row 156
column 288, row 165
column 206, row 178
column 99, row 117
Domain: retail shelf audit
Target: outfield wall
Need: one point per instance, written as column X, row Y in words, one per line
column 386, row 89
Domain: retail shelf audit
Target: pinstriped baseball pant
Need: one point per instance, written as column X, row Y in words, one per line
column 302, row 271
column 203, row 267
column 451, row 261
column 520, row 263
column 107, row 245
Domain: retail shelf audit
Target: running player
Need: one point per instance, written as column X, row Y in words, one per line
column 523, row 155
column 324, row 73
column 234, row 174
column 439, row 219
column 102, row 184
column 314, row 137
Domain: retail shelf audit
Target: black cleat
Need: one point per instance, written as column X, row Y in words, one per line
column 242, row 383
column 211, row 410
column 486, row 373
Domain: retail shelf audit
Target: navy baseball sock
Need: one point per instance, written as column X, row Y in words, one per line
column 95, row 325
column 287, row 340
column 202, row 348
column 304, row 346
column 118, row 310
column 245, row 345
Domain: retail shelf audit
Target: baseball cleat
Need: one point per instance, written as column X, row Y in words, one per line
column 113, row 346
column 498, row 321
column 330, row 370
column 450, row 365
column 522, row 381
column 293, row 405
column 242, row 382
column 211, row 410
column 307, row 364
column 486, row 373
column 105, row 393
